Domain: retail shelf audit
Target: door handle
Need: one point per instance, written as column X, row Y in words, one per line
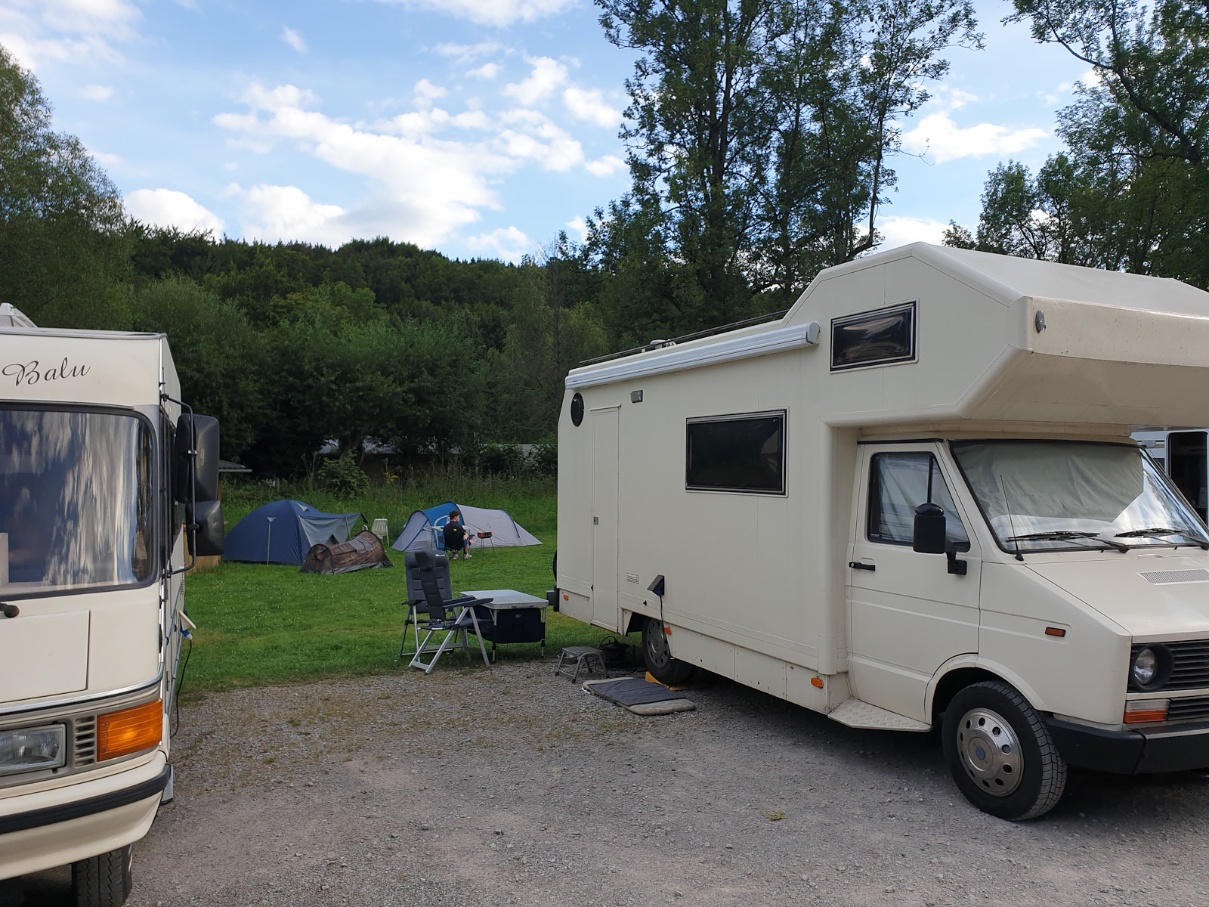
column 861, row 565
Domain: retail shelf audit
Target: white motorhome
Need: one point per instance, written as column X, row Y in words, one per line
column 1185, row 456
column 104, row 483
column 914, row 502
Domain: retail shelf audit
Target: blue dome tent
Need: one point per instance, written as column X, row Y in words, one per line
column 282, row 532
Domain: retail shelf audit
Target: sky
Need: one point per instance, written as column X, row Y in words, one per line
column 476, row 128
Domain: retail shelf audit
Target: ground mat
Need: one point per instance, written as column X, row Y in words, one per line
column 642, row 697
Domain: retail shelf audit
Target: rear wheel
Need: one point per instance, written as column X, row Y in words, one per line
column 105, row 880
column 1001, row 754
column 658, row 656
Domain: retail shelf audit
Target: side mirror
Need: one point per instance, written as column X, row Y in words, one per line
column 929, row 534
column 204, row 529
column 196, row 458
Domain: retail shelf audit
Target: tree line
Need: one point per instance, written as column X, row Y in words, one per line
column 760, row 139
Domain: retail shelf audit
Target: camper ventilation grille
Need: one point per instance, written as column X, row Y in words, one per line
column 1164, row 577
column 84, row 741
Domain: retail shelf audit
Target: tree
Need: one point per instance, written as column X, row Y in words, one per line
column 64, row 240
column 1132, row 191
column 757, row 144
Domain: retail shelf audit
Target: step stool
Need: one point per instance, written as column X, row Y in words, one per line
column 587, row 658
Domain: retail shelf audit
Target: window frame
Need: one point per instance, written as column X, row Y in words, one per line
column 782, row 488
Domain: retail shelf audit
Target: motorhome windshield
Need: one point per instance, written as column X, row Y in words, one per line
column 1047, row 495
column 75, row 501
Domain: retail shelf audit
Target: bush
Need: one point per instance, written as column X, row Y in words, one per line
column 342, row 476
column 505, row 460
column 543, row 459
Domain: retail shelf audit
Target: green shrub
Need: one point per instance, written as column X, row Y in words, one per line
column 503, row 460
column 341, row 475
column 543, row 459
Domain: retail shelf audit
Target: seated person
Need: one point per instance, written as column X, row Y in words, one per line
column 457, row 539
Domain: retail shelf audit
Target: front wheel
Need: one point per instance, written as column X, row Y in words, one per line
column 105, row 880
column 658, row 656
column 1001, row 754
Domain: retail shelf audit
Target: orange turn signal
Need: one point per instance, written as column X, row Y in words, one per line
column 129, row 730
column 1055, row 631
column 816, row 682
column 1140, row 711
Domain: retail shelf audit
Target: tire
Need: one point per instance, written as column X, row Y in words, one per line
column 1001, row 754
column 658, row 657
column 105, row 880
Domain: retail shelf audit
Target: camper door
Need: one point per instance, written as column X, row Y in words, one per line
column 908, row 613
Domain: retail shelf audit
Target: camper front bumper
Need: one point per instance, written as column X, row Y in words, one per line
column 1152, row 749
column 58, row 826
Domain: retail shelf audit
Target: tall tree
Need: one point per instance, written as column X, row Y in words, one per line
column 1132, row 190
column 64, row 240
column 757, row 143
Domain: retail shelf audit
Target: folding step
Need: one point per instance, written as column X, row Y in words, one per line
column 855, row 713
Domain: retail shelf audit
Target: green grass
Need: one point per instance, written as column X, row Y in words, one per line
column 263, row 624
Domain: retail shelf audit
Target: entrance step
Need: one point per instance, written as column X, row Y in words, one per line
column 855, row 713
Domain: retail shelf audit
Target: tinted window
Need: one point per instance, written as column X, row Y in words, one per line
column 880, row 337
column 737, row 453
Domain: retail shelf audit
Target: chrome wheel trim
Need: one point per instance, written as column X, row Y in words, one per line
column 990, row 752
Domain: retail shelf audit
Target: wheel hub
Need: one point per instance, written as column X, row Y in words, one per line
column 990, row 752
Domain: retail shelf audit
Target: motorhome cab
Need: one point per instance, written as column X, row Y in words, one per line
column 102, row 478
column 914, row 502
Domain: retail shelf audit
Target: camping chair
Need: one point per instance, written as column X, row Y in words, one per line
column 447, row 622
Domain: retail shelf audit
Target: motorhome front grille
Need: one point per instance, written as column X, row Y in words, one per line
column 84, row 741
column 1165, row 577
column 1189, row 665
column 1193, row 708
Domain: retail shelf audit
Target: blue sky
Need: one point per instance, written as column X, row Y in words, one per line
column 478, row 128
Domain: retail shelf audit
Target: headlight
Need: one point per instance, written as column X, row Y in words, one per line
column 1151, row 667
column 32, row 749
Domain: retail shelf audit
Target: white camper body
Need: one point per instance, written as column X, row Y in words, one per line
column 92, row 557
column 751, row 501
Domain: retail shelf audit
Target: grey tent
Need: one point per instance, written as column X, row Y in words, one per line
column 423, row 529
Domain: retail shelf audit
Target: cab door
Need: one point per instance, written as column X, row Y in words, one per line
column 909, row 612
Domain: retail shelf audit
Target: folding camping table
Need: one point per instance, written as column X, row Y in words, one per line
column 511, row 616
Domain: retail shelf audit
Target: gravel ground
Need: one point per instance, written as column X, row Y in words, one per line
column 512, row 786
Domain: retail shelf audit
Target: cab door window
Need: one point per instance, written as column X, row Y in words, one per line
column 898, row 483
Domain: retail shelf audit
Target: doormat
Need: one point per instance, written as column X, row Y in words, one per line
column 642, row 697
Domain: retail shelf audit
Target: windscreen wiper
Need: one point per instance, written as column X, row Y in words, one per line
column 1062, row 535
column 1155, row 531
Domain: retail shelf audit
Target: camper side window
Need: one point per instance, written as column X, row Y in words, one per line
column 744, row 452
column 900, row 482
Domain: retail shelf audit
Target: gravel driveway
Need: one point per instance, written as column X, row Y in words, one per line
column 511, row 786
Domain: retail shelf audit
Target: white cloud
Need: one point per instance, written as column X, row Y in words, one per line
column 546, row 78
column 465, row 53
column 96, row 92
column 286, row 212
column 532, row 136
column 508, row 244
column 605, row 166
column 943, row 140
column 426, row 92
column 169, row 208
column 901, row 231
column 66, row 30
column 487, row 71
column 492, row 12
column 292, row 38
column 420, row 188
column 589, row 105
column 577, row 228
